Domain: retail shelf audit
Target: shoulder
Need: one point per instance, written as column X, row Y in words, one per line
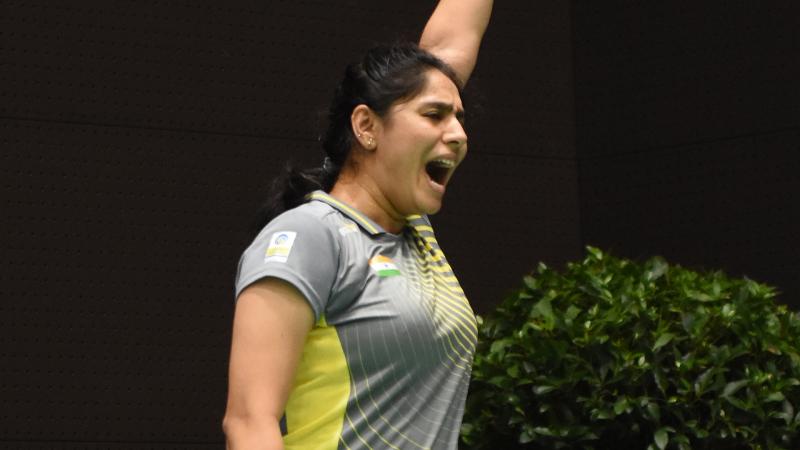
column 300, row 246
column 308, row 231
column 312, row 218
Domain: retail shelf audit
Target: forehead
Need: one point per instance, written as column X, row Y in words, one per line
column 438, row 89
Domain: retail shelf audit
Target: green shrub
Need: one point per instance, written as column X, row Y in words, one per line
column 613, row 354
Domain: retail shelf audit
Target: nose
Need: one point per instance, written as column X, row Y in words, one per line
column 455, row 136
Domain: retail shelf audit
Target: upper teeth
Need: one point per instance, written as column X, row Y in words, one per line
column 444, row 162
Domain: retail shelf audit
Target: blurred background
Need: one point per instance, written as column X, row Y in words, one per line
column 139, row 138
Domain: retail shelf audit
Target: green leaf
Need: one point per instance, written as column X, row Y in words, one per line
column 699, row 296
column 683, row 441
column 525, row 437
column 499, row 346
column 796, row 421
column 544, row 310
column 662, row 341
column 657, row 268
column 621, row 405
column 661, row 438
column 732, row 387
column 654, row 411
column 660, row 379
column 499, row 381
column 744, row 406
column 702, row 381
column 788, row 410
column 544, row 431
column 513, row 371
column 596, row 252
column 775, row 397
column 601, row 414
column 529, row 368
column 572, row 313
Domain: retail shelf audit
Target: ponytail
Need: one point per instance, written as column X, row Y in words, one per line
column 290, row 189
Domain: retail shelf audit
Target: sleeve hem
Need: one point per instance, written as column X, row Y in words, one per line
column 289, row 277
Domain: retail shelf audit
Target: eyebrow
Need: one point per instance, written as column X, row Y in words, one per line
column 442, row 106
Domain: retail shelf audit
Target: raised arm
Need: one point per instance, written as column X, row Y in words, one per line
column 454, row 33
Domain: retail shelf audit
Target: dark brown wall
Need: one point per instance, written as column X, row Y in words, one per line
column 137, row 139
column 688, row 121
column 514, row 202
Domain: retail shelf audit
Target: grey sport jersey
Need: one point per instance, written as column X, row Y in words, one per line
column 388, row 361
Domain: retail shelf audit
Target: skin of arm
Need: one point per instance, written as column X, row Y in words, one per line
column 454, row 32
column 270, row 326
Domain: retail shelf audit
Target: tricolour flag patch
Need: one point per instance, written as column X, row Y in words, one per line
column 383, row 266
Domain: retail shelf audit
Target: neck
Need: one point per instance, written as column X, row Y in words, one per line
column 368, row 200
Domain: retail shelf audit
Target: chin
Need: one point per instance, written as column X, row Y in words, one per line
column 430, row 207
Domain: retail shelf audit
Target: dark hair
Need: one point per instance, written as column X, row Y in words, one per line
column 387, row 74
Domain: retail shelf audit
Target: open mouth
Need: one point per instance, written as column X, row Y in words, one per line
column 439, row 170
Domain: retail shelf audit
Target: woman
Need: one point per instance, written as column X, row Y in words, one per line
column 350, row 329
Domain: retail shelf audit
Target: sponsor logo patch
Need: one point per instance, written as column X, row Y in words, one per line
column 383, row 266
column 348, row 227
column 280, row 245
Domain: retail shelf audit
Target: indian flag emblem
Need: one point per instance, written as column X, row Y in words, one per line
column 383, row 266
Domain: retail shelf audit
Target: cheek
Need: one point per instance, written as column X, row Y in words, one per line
column 406, row 153
column 410, row 145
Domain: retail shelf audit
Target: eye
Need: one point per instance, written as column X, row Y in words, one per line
column 435, row 115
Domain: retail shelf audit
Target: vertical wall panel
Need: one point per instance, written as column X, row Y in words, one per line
column 137, row 140
column 516, row 212
column 687, row 119
column 117, row 281
column 514, row 201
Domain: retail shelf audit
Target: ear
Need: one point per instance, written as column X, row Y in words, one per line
column 366, row 125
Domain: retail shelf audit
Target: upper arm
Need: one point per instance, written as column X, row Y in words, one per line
column 460, row 59
column 454, row 32
column 283, row 283
column 270, row 325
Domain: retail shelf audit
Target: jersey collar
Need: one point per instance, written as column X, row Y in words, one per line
column 365, row 222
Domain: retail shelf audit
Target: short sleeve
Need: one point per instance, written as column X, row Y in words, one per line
column 298, row 248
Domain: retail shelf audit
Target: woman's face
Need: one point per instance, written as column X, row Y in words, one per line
column 420, row 143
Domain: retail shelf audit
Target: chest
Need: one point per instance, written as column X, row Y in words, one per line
column 402, row 294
